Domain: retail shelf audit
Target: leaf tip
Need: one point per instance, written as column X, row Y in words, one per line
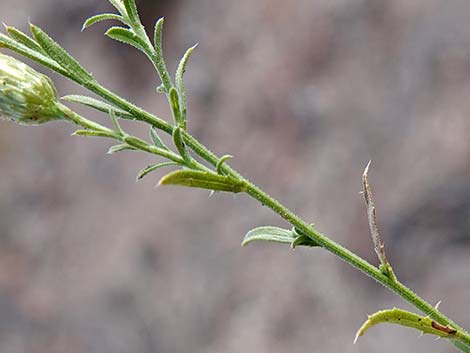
column 162, row 181
column 245, row 242
column 32, row 27
column 108, row 31
column 366, row 170
column 160, row 21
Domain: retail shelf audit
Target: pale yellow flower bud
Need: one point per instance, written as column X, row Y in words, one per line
column 26, row 96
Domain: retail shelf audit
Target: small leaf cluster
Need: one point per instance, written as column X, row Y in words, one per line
column 41, row 48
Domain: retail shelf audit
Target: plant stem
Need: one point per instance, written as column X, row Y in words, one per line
column 122, row 103
column 258, row 194
column 330, row 245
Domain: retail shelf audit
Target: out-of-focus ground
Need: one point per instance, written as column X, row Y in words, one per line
column 303, row 93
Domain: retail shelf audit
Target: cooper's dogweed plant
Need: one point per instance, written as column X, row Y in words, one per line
column 28, row 97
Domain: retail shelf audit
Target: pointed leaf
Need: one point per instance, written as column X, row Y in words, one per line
column 179, row 83
column 408, row 319
column 131, row 10
column 24, row 39
column 126, row 36
column 92, row 133
column 175, row 108
column 151, row 168
column 97, row 104
column 158, row 34
column 203, row 180
column 60, row 55
column 119, row 148
column 179, row 143
column 271, row 234
column 144, row 146
column 157, row 141
column 7, row 42
column 136, row 142
column 159, row 61
column 114, row 120
column 118, row 5
column 102, row 17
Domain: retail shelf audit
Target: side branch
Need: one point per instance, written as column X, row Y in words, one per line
column 374, row 229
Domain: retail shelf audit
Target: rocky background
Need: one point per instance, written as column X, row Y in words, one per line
column 303, row 93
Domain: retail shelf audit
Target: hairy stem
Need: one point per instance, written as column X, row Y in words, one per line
column 258, row 194
column 330, row 245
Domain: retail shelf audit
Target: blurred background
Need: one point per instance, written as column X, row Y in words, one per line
column 303, row 93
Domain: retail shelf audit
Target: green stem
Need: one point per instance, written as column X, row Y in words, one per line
column 330, row 245
column 255, row 192
column 351, row 258
column 69, row 114
column 122, row 103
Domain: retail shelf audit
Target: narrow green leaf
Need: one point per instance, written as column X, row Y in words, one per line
column 175, row 108
column 131, row 10
column 118, row 5
column 102, row 17
column 179, row 83
column 9, row 43
column 179, row 143
column 151, row 168
column 24, row 39
column 115, row 122
column 97, row 104
column 203, row 180
column 60, row 55
column 136, row 142
column 126, row 36
column 271, row 234
column 119, row 148
column 159, row 61
column 408, row 319
column 158, row 34
column 157, row 141
column 278, row 235
column 92, row 133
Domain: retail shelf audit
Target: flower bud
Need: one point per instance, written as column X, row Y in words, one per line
column 26, row 96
